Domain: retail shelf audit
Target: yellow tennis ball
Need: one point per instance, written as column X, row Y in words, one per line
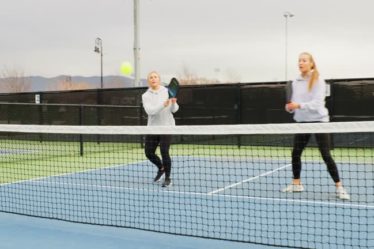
column 126, row 68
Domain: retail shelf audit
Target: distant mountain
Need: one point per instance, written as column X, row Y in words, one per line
column 64, row 82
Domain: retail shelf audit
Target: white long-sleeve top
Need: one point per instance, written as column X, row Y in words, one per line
column 158, row 114
column 312, row 103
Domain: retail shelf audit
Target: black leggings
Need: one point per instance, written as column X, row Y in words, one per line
column 323, row 141
column 151, row 143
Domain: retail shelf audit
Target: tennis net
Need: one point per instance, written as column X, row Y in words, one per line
column 227, row 181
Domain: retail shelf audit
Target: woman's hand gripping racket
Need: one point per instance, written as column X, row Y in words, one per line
column 288, row 95
column 173, row 88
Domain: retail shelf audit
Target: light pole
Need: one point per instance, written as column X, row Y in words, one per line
column 99, row 49
column 286, row 15
column 136, row 43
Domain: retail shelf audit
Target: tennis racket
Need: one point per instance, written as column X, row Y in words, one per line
column 173, row 88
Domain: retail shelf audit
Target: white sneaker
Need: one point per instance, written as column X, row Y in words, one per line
column 293, row 188
column 341, row 193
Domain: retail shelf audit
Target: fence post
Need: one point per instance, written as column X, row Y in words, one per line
column 330, row 94
column 99, row 111
column 141, row 123
column 81, row 148
column 238, row 107
column 39, row 100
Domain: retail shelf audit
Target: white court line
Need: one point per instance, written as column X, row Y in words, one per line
column 72, row 173
column 41, row 180
column 248, row 180
column 325, row 203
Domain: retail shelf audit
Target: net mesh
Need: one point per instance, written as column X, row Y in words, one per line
column 227, row 181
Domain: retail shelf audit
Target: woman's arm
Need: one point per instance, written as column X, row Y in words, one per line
column 318, row 98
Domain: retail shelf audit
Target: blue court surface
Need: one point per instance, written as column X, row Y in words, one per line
column 20, row 232
column 233, row 199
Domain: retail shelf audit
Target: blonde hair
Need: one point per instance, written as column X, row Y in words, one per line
column 315, row 73
column 153, row 72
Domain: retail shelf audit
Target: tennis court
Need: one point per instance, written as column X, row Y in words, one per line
column 219, row 191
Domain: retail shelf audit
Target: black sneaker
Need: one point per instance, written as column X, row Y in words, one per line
column 167, row 183
column 160, row 172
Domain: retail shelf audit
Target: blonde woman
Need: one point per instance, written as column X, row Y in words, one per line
column 159, row 109
column 308, row 105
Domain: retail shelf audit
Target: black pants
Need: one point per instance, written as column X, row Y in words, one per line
column 151, row 144
column 323, row 141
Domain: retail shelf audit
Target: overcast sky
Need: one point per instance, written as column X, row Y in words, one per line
column 240, row 40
